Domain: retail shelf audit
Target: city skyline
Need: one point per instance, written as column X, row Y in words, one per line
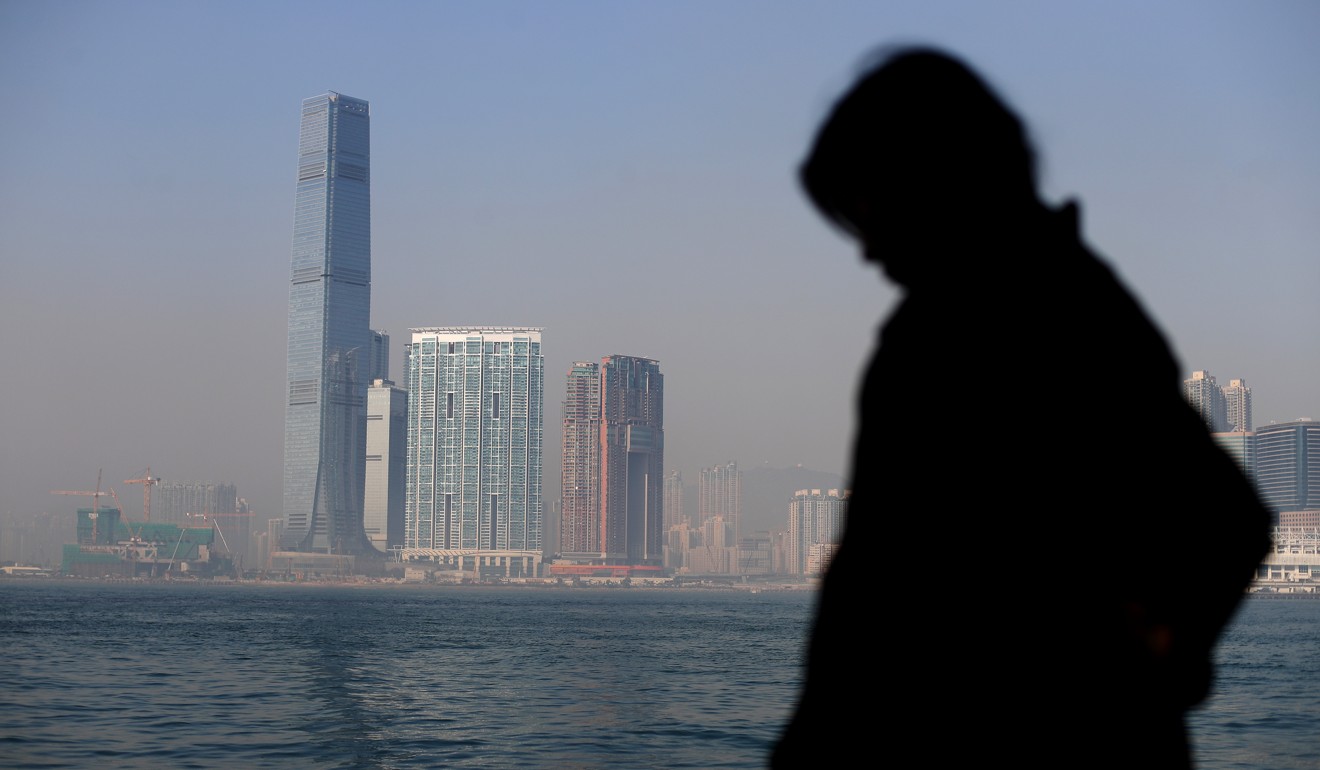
column 567, row 169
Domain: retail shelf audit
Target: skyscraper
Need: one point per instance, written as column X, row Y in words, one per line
column 1288, row 466
column 382, row 503
column 815, row 527
column 632, row 460
column 614, row 462
column 579, row 516
column 1237, row 405
column 673, row 502
column 1203, row 393
column 380, row 356
column 475, row 398
column 330, row 340
column 173, row 501
column 720, row 494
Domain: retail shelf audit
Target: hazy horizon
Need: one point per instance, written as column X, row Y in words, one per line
column 621, row 175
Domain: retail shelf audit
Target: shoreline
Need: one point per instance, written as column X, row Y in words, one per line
column 611, row 584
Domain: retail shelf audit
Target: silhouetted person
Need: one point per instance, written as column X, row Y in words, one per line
column 1043, row 542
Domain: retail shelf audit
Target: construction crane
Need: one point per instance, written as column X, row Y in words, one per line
column 212, row 516
column 237, row 565
column 96, row 508
column 147, row 483
column 96, row 497
column 132, row 536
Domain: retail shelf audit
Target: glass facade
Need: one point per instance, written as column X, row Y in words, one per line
column 632, row 397
column 380, row 356
column 475, row 402
column 330, row 340
column 1288, row 466
column 1241, row 446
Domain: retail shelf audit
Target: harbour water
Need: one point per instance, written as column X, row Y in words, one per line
column 1264, row 712
column 110, row 675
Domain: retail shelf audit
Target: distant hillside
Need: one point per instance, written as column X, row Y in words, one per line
column 767, row 492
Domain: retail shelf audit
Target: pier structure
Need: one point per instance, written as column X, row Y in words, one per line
column 1293, row 563
column 481, row 563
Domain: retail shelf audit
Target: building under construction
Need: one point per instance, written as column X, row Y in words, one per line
column 109, row 546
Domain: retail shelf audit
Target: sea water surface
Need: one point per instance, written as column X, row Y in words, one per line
column 142, row 675
column 1264, row 710
column 112, row 675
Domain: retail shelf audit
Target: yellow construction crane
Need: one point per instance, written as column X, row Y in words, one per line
column 128, row 525
column 96, row 507
column 96, row 497
column 147, row 482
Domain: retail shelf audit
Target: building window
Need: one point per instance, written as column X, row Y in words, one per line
column 495, row 406
column 449, row 406
column 449, row 512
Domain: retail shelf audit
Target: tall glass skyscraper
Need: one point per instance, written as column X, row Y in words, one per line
column 330, row 340
column 632, row 398
column 475, row 403
column 380, row 356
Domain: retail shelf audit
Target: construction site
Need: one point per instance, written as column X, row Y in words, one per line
column 110, row 544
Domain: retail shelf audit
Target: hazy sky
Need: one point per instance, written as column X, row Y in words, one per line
column 619, row 173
